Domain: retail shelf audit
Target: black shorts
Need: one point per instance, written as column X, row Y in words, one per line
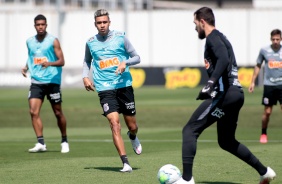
column 52, row 91
column 118, row 100
column 272, row 94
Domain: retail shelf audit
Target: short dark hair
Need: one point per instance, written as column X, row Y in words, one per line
column 100, row 13
column 205, row 13
column 275, row 32
column 40, row 17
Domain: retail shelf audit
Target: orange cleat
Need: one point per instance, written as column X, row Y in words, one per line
column 263, row 138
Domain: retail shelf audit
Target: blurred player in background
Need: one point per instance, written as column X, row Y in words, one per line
column 223, row 98
column 45, row 61
column 272, row 89
column 110, row 54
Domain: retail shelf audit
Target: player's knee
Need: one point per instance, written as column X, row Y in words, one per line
column 133, row 128
column 58, row 114
column 223, row 145
column 115, row 126
column 188, row 133
column 33, row 113
column 227, row 144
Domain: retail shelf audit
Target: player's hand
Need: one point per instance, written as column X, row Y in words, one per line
column 251, row 87
column 24, row 71
column 46, row 64
column 89, row 86
column 121, row 68
column 205, row 93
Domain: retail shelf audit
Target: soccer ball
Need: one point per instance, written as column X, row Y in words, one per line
column 168, row 174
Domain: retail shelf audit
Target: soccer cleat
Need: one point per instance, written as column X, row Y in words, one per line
column 263, row 138
column 65, row 147
column 137, row 147
column 269, row 176
column 38, row 148
column 182, row 181
column 126, row 168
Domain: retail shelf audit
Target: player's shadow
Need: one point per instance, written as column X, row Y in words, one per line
column 48, row 151
column 114, row 169
column 217, row 182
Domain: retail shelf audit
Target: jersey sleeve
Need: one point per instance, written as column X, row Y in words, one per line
column 260, row 57
column 87, row 62
column 134, row 57
column 221, row 55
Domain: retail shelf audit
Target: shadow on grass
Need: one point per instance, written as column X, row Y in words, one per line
column 48, row 151
column 217, row 182
column 115, row 169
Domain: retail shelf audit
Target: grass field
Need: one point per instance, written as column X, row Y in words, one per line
column 161, row 114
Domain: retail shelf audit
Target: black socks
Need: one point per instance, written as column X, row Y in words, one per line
column 132, row 137
column 64, row 139
column 124, row 159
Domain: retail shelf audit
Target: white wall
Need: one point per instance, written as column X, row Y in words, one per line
column 162, row 38
column 267, row 3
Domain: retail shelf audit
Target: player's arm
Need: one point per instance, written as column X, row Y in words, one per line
column 88, row 84
column 257, row 68
column 221, row 54
column 255, row 75
column 59, row 54
column 134, row 58
column 24, row 70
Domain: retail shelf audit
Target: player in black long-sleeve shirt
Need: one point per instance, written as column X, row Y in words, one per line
column 223, row 98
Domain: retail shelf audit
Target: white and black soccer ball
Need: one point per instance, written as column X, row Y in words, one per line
column 168, row 174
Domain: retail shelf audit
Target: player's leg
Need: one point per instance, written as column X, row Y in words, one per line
column 226, row 128
column 264, row 123
column 55, row 97
column 131, row 124
column 115, row 125
column 62, row 124
column 34, row 110
column 200, row 120
column 36, row 98
column 110, row 106
column 127, row 108
column 268, row 100
column 61, row 120
column 280, row 96
column 132, row 133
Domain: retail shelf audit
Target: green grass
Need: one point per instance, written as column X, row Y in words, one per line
column 161, row 114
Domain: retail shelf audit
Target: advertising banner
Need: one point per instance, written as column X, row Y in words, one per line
column 171, row 78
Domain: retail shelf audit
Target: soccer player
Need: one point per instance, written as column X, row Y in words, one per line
column 110, row 54
column 45, row 61
column 272, row 91
column 223, row 98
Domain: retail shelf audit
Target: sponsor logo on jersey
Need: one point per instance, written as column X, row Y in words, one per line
column 115, row 82
column 39, row 60
column 275, row 64
column 271, row 79
column 107, row 63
